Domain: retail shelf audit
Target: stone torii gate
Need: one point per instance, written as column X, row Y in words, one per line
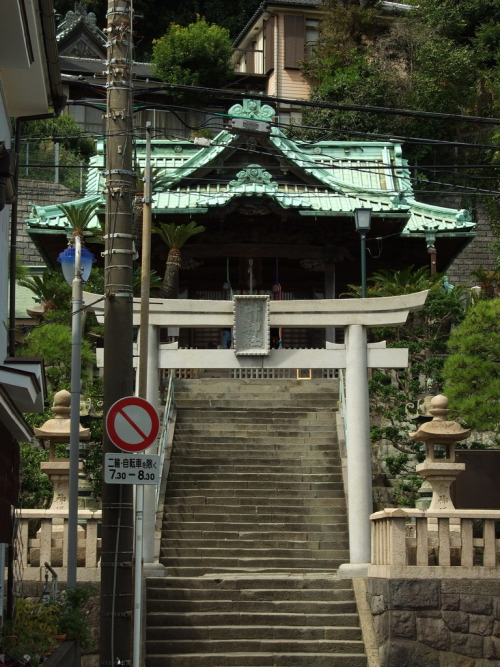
column 251, row 317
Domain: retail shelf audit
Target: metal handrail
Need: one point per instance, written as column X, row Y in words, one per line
column 342, row 403
column 166, row 419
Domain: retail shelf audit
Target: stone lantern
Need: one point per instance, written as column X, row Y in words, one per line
column 440, row 471
column 58, row 430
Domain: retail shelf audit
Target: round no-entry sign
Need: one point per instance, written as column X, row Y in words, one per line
column 132, row 424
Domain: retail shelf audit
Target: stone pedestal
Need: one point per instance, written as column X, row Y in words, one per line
column 440, row 476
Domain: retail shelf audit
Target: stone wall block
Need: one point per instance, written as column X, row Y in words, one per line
column 408, row 654
column 403, row 625
column 377, row 604
column 450, row 601
column 433, row 632
column 496, row 608
column 476, row 604
column 477, row 587
column 471, row 645
column 456, row 621
column 381, row 627
column 454, row 660
column 491, row 648
column 414, row 594
column 480, row 624
column 496, row 628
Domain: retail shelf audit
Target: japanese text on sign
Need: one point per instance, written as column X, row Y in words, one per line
column 131, row 468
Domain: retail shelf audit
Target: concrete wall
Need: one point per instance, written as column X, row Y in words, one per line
column 436, row 623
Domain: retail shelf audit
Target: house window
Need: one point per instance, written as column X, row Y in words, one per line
column 269, row 45
column 312, row 31
column 295, row 34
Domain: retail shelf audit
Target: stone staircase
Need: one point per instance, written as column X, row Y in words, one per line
column 254, row 529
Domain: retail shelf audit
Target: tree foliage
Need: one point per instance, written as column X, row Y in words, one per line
column 193, row 55
column 174, row 236
column 472, row 371
column 396, row 394
column 441, row 56
column 153, row 17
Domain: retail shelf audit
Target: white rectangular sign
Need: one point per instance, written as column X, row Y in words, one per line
column 131, row 468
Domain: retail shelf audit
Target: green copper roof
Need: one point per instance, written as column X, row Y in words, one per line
column 329, row 179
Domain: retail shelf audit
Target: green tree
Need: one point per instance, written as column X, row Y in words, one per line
column 175, row 236
column 36, row 489
column 194, row 55
column 395, row 394
column 52, row 341
column 441, row 56
column 472, row 370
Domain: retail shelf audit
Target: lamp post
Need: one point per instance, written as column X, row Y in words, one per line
column 76, row 263
column 362, row 219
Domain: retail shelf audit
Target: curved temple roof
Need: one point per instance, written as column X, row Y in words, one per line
column 325, row 178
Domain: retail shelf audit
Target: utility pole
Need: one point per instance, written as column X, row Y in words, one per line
column 117, row 500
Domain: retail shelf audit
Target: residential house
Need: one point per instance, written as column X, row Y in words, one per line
column 271, row 47
column 30, row 85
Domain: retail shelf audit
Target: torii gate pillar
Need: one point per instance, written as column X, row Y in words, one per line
column 359, row 468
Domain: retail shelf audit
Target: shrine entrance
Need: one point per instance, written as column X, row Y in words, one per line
column 252, row 317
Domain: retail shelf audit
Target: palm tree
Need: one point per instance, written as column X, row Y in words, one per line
column 395, row 282
column 79, row 217
column 489, row 280
column 174, row 236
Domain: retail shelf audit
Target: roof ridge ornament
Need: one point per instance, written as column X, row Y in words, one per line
column 254, row 173
column 253, row 109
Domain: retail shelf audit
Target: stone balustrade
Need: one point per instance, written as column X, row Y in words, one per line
column 413, row 543
column 49, row 544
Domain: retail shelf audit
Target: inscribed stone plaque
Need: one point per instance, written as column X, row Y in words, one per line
column 251, row 324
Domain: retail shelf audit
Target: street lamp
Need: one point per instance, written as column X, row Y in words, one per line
column 76, row 263
column 362, row 219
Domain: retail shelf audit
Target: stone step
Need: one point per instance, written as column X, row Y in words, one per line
column 245, row 514
column 254, row 530
column 260, row 403
column 246, row 470
column 320, row 582
column 271, row 536
column 217, row 632
column 228, row 646
column 196, row 545
column 266, row 452
column 318, row 419
column 305, row 492
column 168, row 550
column 252, row 504
column 237, row 439
column 321, row 461
column 184, row 571
column 228, row 563
column 255, row 659
column 252, row 606
column 201, row 483
column 263, row 527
